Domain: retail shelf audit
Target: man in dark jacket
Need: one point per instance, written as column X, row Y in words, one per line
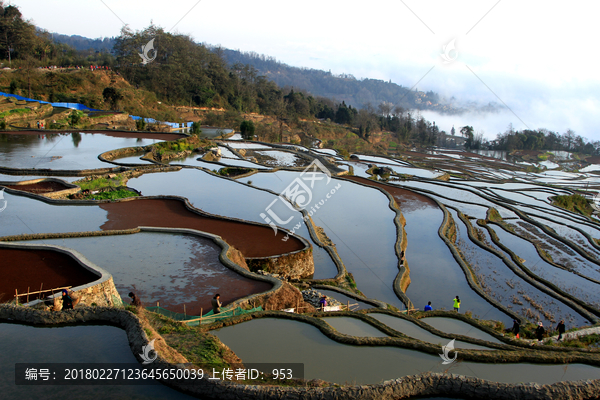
column 135, row 301
column 516, row 328
column 539, row 332
column 560, row 328
column 216, row 303
column 67, row 300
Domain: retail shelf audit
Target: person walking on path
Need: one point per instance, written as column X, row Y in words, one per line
column 67, row 300
column 456, row 304
column 428, row 307
column 516, row 328
column 539, row 331
column 216, row 304
column 560, row 328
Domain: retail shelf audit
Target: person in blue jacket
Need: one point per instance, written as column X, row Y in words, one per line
column 428, row 307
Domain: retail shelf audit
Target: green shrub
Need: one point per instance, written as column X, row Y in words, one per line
column 574, row 202
column 75, row 117
column 196, row 128
column 140, row 124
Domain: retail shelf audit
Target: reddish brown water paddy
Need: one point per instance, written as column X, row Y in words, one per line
column 40, row 187
column 172, row 269
column 23, row 269
column 251, row 240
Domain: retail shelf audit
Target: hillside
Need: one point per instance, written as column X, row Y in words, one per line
column 356, row 92
column 86, row 87
column 346, row 88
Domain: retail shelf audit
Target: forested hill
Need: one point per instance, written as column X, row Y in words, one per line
column 355, row 92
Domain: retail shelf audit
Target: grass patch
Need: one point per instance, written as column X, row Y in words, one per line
column 493, row 215
column 575, row 203
column 112, row 195
column 95, row 184
column 544, row 156
column 582, row 342
column 15, row 111
column 200, row 348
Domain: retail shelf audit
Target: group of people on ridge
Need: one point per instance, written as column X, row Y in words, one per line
column 540, row 331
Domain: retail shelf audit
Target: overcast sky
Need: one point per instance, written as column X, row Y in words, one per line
column 536, row 58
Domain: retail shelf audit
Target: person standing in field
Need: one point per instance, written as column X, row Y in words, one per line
column 456, row 304
column 560, row 328
column 539, row 331
column 516, row 328
column 67, row 300
column 323, row 302
column 135, row 301
column 216, row 304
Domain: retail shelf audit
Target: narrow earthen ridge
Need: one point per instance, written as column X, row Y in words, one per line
column 546, row 258
column 427, row 384
column 59, row 172
column 334, row 169
column 331, row 250
column 402, row 280
column 63, row 235
column 501, row 353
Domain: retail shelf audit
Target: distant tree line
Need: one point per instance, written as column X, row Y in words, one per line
column 543, row 139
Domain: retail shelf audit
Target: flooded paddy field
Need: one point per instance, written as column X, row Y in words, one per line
column 352, row 227
column 287, row 341
column 67, row 151
column 413, row 330
column 172, row 269
column 364, row 236
column 71, row 345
